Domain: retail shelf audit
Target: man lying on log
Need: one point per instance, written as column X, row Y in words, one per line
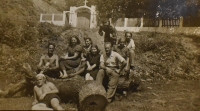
column 29, row 81
column 49, row 64
column 109, row 65
column 45, row 97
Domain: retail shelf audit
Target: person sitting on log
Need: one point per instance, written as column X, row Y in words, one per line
column 86, row 48
column 93, row 62
column 124, row 52
column 49, row 63
column 109, row 65
column 45, row 97
column 131, row 47
column 73, row 57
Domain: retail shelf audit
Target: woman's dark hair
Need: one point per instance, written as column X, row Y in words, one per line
column 96, row 48
column 88, row 39
column 128, row 33
column 70, row 40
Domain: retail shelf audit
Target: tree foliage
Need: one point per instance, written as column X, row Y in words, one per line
column 143, row 8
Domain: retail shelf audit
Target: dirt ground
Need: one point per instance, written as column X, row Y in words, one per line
column 174, row 95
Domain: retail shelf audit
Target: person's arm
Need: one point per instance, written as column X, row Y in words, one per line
column 82, row 57
column 102, row 65
column 122, row 66
column 113, row 32
column 35, row 101
column 40, row 65
column 57, row 64
column 127, row 68
column 132, row 45
column 73, row 57
column 88, row 66
column 101, row 31
column 123, row 61
column 79, row 72
column 93, row 66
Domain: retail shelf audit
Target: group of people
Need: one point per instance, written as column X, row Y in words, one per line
column 86, row 61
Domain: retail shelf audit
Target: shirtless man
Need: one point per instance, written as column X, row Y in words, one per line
column 45, row 97
column 49, row 64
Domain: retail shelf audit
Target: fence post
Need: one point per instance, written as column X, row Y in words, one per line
column 181, row 22
column 41, row 17
column 125, row 22
column 160, row 22
column 52, row 18
column 141, row 23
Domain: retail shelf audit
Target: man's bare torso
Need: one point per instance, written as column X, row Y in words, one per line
column 51, row 60
column 43, row 89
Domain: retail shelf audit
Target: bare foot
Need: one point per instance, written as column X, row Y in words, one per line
column 64, row 76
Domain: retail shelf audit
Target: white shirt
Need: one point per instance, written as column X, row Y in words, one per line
column 113, row 60
column 131, row 44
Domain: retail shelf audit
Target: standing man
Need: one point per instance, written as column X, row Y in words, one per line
column 110, row 32
column 45, row 97
column 131, row 47
column 109, row 64
column 49, row 64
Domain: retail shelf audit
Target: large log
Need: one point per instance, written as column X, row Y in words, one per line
column 89, row 95
column 92, row 97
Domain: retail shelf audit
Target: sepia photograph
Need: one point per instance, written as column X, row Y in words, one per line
column 100, row 55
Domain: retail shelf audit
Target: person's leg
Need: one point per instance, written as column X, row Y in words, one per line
column 62, row 67
column 112, row 85
column 91, row 78
column 132, row 57
column 100, row 76
column 56, row 104
column 87, row 76
column 40, row 106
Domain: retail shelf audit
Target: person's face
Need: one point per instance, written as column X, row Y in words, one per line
column 94, row 50
column 128, row 36
column 74, row 41
column 122, row 43
column 106, row 23
column 40, row 81
column 108, row 48
column 87, row 42
column 51, row 49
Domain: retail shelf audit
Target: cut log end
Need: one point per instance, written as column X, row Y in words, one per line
column 93, row 103
column 92, row 97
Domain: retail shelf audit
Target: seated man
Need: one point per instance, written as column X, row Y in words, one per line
column 45, row 97
column 124, row 52
column 131, row 47
column 109, row 64
column 49, row 64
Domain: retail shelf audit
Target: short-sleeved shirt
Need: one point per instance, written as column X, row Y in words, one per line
column 113, row 60
column 72, row 50
column 123, row 52
column 131, row 44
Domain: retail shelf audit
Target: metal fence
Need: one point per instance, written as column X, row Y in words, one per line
column 171, row 22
